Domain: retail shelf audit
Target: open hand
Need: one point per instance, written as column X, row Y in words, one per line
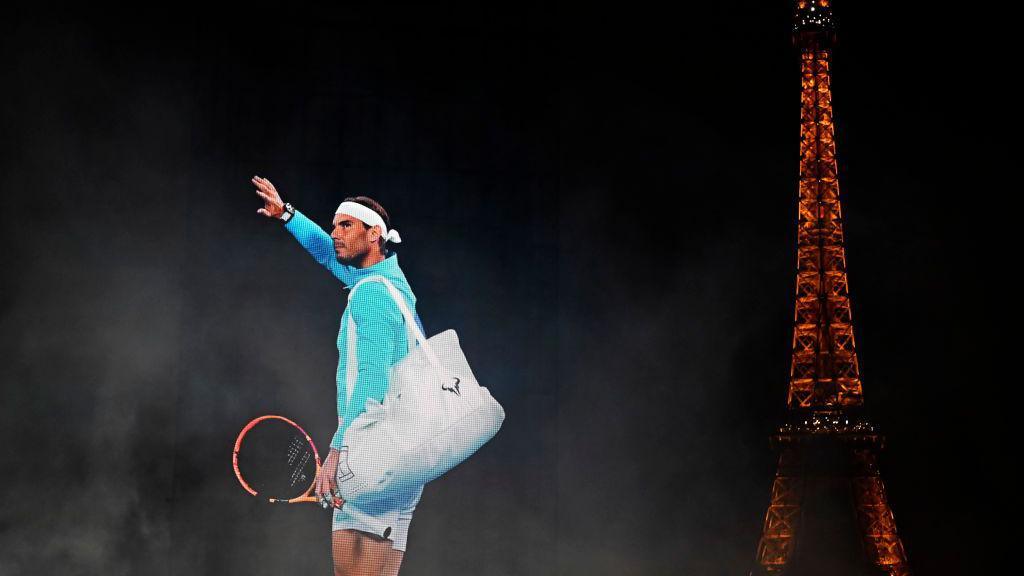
column 273, row 206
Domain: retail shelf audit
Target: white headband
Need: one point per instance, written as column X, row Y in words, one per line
column 370, row 218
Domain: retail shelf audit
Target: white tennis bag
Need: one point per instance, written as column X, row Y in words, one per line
column 434, row 416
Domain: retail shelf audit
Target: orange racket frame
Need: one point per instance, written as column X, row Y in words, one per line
column 305, row 497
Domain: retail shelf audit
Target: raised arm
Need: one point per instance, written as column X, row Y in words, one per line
column 312, row 237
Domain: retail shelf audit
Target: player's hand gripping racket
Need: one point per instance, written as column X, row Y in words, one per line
column 275, row 458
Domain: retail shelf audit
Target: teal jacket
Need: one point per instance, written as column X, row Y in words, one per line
column 381, row 339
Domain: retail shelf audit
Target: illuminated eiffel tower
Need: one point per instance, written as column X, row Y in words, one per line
column 828, row 514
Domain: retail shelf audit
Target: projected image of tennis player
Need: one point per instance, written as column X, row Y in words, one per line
column 409, row 408
column 356, row 249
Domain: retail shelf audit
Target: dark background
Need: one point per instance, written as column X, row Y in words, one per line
column 600, row 201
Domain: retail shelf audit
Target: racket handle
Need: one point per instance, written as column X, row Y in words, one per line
column 294, row 500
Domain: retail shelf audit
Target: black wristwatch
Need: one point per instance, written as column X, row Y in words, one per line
column 289, row 211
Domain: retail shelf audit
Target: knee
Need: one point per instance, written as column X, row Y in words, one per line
column 340, row 566
column 344, row 566
column 354, row 555
column 343, row 551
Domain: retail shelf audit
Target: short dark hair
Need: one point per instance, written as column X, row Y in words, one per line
column 376, row 207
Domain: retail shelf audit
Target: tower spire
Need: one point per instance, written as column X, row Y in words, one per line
column 824, row 373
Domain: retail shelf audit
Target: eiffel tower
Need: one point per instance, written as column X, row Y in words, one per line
column 828, row 514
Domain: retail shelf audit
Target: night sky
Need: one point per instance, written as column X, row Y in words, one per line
column 601, row 202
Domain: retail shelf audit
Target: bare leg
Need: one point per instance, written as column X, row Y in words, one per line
column 360, row 554
column 392, row 563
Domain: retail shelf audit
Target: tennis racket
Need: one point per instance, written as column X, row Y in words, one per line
column 274, row 458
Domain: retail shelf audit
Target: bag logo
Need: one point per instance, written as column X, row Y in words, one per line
column 453, row 389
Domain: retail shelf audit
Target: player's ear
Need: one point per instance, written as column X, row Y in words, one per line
column 374, row 234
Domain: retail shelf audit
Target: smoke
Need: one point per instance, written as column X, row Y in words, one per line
column 92, row 312
column 154, row 328
column 607, row 224
column 656, row 471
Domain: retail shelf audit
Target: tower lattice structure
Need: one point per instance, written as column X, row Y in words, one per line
column 827, row 446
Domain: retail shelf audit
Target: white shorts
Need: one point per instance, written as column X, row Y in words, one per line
column 388, row 518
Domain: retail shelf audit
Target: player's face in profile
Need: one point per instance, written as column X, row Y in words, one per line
column 350, row 237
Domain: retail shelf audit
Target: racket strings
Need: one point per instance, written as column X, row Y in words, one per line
column 299, row 455
column 277, row 460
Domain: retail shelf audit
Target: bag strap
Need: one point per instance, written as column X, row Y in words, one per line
column 412, row 328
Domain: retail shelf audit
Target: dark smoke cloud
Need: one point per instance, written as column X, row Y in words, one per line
column 92, row 320
column 607, row 219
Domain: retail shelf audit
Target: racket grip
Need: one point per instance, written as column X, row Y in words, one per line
column 294, row 500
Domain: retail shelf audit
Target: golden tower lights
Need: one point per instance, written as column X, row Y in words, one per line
column 827, row 441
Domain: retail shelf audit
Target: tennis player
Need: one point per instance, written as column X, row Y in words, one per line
column 355, row 249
